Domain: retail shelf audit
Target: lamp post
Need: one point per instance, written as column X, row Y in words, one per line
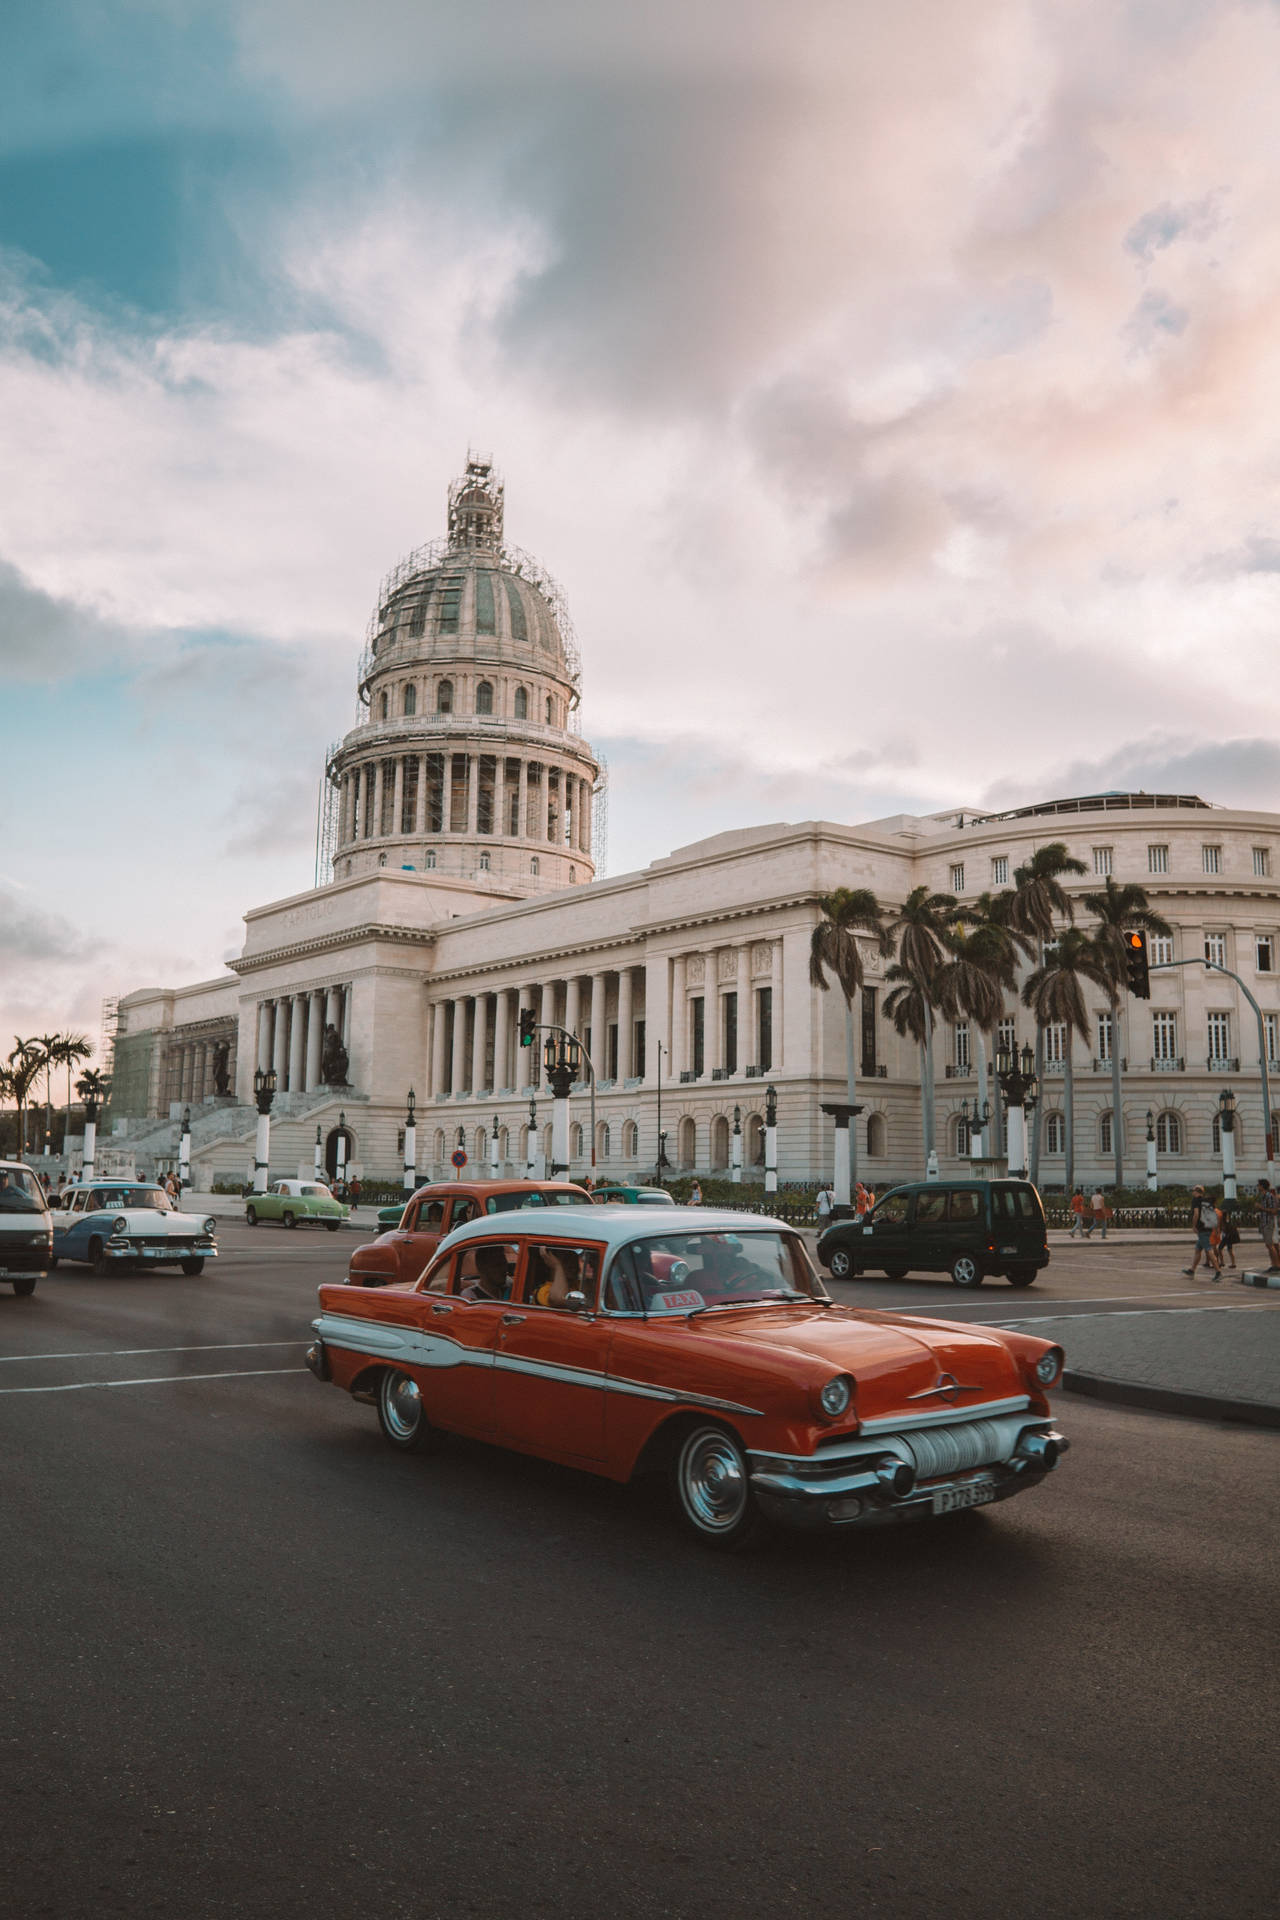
column 843, row 1114
column 1227, row 1135
column 264, row 1092
column 319, row 1151
column 340, row 1154
column 976, row 1124
column 410, row 1143
column 562, row 1058
column 92, row 1108
column 494, row 1161
column 662, row 1138
column 1153, row 1177
column 771, row 1139
column 531, row 1159
column 735, row 1149
column 1017, row 1077
column 662, row 1156
column 184, row 1150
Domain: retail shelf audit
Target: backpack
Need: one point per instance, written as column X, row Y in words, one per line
column 1208, row 1218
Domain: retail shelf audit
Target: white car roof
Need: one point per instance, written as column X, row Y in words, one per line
column 617, row 1226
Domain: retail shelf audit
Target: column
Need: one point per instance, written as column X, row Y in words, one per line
column 678, row 1028
column 297, row 1038
column 479, row 1036
column 345, row 834
column 775, row 984
column 375, row 810
column 546, row 1005
column 438, row 1036
column 626, row 1026
column 315, row 1039
column 473, row 794
column 280, row 1045
column 345, row 1004
column 584, row 815
column 747, row 1056
column 502, row 1040
column 265, row 1011
column 524, row 1055
column 713, row 1014
column 459, row 1062
column 420, row 810
column 523, row 822
column 202, row 1073
column 397, row 804
column 573, row 1003
column 599, row 1025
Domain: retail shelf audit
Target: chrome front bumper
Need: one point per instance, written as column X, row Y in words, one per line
column 182, row 1250
column 874, row 1481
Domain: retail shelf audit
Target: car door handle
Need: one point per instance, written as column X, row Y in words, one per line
column 512, row 1320
column 441, row 1309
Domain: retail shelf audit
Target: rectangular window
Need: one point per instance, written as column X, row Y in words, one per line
column 637, row 1057
column 485, row 859
column 1102, row 860
column 1157, row 859
column 698, row 1035
column 553, row 803
column 1000, row 870
column 1264, row 953
column 1219, row 1037
column 730, row 1017
column 764, row 1027
column 957, row 878
column 1215, row 948
column 1261, row 863
column 369, row 778
column 1104, row 1037
column 417, row 619
column 388, row 821
column 429, row 860
column 450, row 601
column 1271, row 1030
column 1211, row 859
column 1160, row 949
column 869, row 1056
column 1164, row 1036
column 1055, row 1043
column 1006, row 1036
column 962, row 1046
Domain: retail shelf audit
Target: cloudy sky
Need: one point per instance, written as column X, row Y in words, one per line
column 892, row 388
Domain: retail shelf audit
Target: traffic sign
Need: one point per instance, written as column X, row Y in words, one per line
column 458, row 1157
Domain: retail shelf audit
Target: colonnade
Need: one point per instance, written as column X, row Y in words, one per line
column 726, row 1011
column 291, row 1035
column 475, row 1037
column 466, row 793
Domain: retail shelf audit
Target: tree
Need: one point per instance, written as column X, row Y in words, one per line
column 1039, row 901
column 921, row 927
column 1118, row 910
column 834, row 948
column 68, row 1050
column 26, row 1063
column 1054, row 994
column 997, row 945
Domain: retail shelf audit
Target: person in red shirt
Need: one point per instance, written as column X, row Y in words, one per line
column 1077, row 1213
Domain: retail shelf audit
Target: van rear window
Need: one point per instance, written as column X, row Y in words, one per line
column 1018, row 1203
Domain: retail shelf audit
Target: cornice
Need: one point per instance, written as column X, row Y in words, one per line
column 327, row 943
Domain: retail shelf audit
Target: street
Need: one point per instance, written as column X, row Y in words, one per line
column 257, row 1664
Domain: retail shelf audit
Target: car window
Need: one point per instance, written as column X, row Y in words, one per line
column 484, row 1270
column 966, row 1204
column 622, row 1288
column 931, row 1205
column 562, row 1199
column 431, row 1217
column 892, row 1210
column 463, row 1210
column 20, row 1191
column 679, row 1271
column 318, row 1193
column 1018, row 1203
column 554, row 1269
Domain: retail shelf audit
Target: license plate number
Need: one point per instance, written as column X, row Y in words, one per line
column 952, row 1499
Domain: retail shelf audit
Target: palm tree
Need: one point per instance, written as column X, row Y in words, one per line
column 69, row 1049
column 834, row 948
column 1053, row 993
column 972, row 982
column 1039, row 901
column 26, row 1063
column 47, row 1042
column 1118, row 909
column 921, row 928
column 998, row 946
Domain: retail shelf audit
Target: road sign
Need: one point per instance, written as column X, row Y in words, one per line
column 458, row 1157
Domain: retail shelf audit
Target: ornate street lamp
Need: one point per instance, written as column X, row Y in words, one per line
column 340, row 1150
column 976, row 1122
column 494, row 1161
column 771, row 1139
column 1017, row 1078
column 662, row 1138
column 1227, row 1136
column 184, row 1150
column 531, row 1160
column 1153, row 1177
column 319, row 1150
column 410, row 1143
column 735, row 1149
column 264, row 1092
column 562, row 1058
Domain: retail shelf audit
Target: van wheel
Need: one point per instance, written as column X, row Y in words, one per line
column 840, row 1265
column 25, row 1283
column 965, row 1271
column 896, row 1273
column 1022, row 1276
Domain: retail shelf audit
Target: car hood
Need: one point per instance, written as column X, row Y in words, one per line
column 891, row 1357
column 158, row 1226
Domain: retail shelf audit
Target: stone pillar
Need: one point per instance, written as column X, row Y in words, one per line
column 375, row 810
column 438, row 1062
column 600, row 1024
column 297, row 1041
column 478, row 1039
column 265, row 1011
column 524, row 1055
column 626, row 1026
column 775, row 984
column 746, row 1031
column 397, row 802
column 459, row 1063
column 473, row 794
column 315, row 1039
column 502, row 1040
column 345, row 1029
column 523, row 821
column 678, row 1027
column 546, row 1005
column 713, row 1013
column 420, row 807
column 280, row 1054
column 573, row 1003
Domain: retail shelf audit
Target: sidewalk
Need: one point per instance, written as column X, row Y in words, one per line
column 230, row 1206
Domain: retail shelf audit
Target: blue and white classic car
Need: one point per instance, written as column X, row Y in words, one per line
column 117, row 1223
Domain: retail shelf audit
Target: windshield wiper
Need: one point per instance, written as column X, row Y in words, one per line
column 749, row 1300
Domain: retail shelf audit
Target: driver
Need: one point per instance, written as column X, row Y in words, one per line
column 492, row 1281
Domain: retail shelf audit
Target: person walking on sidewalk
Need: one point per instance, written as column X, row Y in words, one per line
column 1100, row 1210
column 1228, row 1233
column 1077, row 1213
column 1204, row 1224
column 1269, row 1217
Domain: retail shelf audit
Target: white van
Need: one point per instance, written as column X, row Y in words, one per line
column 26, row 1227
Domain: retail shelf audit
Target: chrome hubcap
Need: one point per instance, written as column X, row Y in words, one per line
column 712, row 1483
column 402, row 1405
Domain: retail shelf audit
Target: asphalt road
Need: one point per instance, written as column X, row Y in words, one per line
column 255, row 1664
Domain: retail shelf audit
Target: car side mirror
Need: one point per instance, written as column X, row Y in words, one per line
column 576, row 1302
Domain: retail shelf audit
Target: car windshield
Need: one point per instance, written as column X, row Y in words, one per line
column 508, row 1202
column 154, row 1197
column 20, row 1191
column 683, row 1272
column 318, row 1193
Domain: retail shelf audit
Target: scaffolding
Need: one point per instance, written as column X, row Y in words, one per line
column 108, row 1028
column 600, row 819
column 328, row 801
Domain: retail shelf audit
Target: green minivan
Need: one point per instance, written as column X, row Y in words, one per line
column 967, row 1228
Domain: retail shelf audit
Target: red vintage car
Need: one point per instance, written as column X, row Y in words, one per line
column 397, row 1257
column 701, row 1344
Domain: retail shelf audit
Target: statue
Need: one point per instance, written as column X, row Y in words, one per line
column 221, row 1077
column 333, row 1059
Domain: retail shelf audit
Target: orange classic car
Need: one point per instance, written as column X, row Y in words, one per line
column 397, row 1257
column 701, row 1345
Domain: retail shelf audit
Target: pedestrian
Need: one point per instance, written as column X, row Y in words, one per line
column 862, row 1200
column 355, row 1193
column 1100, row 1210
column 1077, row 1214
column 1269, row 1219
column 1204, row 1223
column 823, row 1204
column 1228, row 1233
column 695, row 1195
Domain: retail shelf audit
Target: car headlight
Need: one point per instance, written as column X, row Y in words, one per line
column 119, row 1225
column 836, row 1395
column 211, row 1226
column 1049, row 1366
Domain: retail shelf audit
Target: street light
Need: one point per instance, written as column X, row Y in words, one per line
column 319, row 1150
column 340, row 1151
column 1153, row 1177
column 562, row 1058
column 662, row 1138
column 493, row 1148
column 735, row 1153
column 1227, row 1136
column 410, row 1144
column 771, row 1139
column 533, row 1138
column 264, row 1092
column 184, row 1150
column 1017, row 1078
column 975, row 1122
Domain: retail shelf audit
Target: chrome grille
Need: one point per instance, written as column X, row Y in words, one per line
column 972, row 1443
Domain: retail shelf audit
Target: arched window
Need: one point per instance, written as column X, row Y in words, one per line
column 482, row 1147
column 575, row 1141
column 384, row 706
column 437, row 1146
column 410, row 698
column 960, row 1138
column 877, row 1136
column 573, row 876
column 1168, row 1133
column 444, row 697
column 550, row 711
column 1055, row 1133
column 719, row 1143
column 754, row 1145
column 522, row 703
column 602, row 1140
column 630, row 1140
column 533, row 865
column 484, row 697
column 687, row 1144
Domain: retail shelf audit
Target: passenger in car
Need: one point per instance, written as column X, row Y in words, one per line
column 555, row 1272
column 492, row 1276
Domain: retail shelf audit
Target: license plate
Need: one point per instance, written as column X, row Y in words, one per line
column 952, row 1499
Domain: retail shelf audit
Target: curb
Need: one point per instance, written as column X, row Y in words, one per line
column 1266, row 1278
column 1196, row 1406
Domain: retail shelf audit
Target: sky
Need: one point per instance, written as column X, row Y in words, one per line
column 891, row 389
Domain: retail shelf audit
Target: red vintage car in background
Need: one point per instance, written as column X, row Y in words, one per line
column 397, row 1257
column 702, row 1345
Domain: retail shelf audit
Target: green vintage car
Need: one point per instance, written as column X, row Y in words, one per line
column 391, row 1216
column 290, row 1201
column 627, row 1196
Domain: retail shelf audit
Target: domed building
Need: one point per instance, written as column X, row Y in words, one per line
column 469, row 763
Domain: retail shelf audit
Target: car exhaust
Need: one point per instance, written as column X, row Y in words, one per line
column 896, row 1477
column 318, row 1361
column 1040, row 1449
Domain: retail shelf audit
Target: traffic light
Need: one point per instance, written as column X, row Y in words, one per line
column 1136, row 967
column 527, row 1024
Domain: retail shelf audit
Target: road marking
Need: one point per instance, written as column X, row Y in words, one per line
column 158, row 1380
column 128, row 1353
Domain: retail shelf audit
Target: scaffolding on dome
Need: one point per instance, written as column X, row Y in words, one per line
column 109, row 1027
column 327, row 804
column 600, row 819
